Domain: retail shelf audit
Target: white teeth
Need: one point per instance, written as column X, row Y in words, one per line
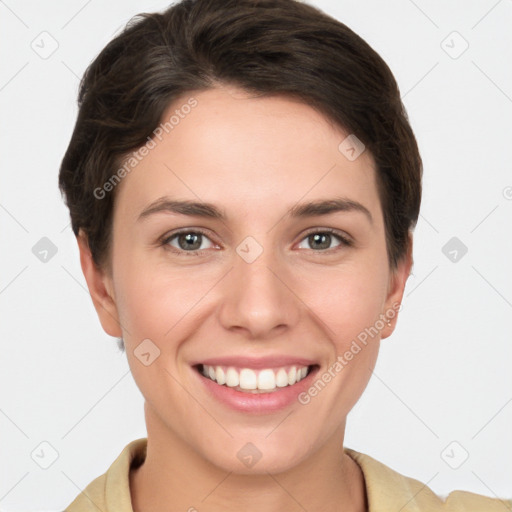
column 266, row 379
column 292, row 376
column 232, row 378
column 281, row 378
column 248, row 379
column 220, row 376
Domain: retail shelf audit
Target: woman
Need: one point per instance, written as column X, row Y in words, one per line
column 243, row 183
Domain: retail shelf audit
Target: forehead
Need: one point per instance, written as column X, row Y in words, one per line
column 248, row 152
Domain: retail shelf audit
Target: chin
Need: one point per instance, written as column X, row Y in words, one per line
column 256, row 458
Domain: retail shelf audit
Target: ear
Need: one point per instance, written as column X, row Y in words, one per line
column 100, row 287
column 397, row 281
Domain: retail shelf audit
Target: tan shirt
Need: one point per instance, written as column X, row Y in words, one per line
column 387, row 490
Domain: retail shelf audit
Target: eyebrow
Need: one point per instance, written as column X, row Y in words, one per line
column 209, row 210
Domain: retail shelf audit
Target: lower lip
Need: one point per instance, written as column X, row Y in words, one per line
column 257, row 403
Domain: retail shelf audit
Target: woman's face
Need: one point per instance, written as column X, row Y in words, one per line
column 256, row 292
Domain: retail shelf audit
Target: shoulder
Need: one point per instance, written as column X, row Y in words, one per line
column 111, row 491
column 92, row 498
column 387, row 490
column 471, row 502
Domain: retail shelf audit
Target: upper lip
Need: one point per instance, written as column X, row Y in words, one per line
column 257, row 362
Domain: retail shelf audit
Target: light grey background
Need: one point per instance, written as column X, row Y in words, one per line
column 443, row 379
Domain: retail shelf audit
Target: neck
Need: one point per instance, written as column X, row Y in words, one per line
column 176, row 477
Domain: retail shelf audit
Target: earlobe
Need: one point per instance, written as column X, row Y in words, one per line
column 100, row 288
column 398, row 280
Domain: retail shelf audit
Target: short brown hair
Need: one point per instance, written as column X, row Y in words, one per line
column 266, row 47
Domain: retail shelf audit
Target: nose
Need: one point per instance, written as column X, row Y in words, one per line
column 258, row 297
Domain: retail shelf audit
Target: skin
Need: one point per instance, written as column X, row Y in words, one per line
column 255, row 158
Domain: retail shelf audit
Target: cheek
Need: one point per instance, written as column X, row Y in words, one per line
column 152, row 305
column 346, row 300
column 164, row 302
column 160, row 308
column 348, row 304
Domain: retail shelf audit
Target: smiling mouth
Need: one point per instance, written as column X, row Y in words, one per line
column 248, row 380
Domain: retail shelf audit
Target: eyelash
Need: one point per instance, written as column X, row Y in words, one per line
column 345, row 241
